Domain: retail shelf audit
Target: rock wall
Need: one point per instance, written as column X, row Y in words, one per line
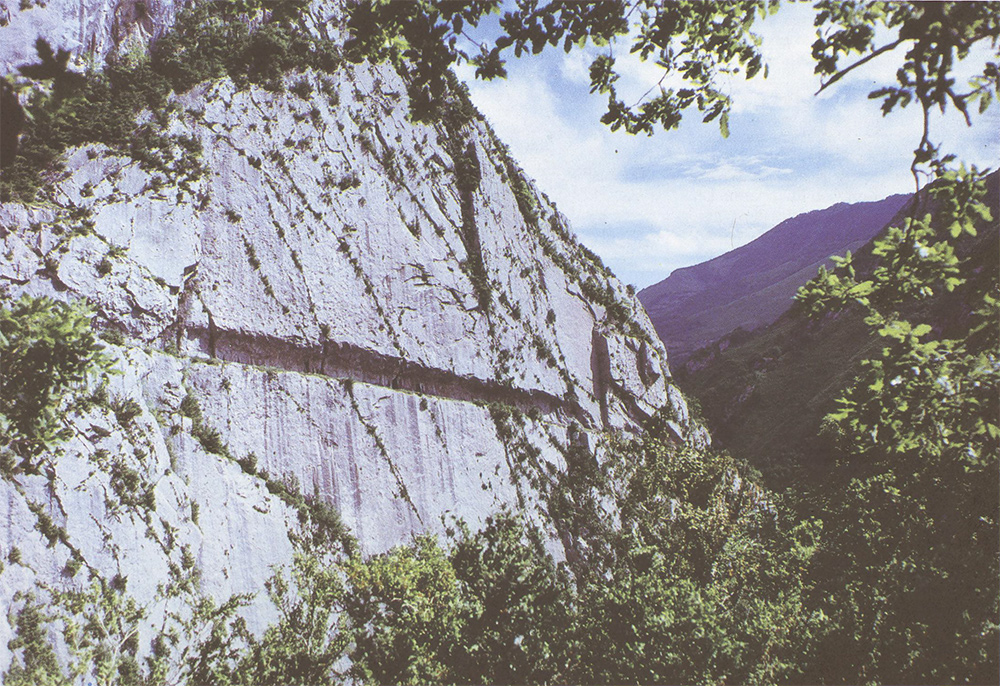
column 90, row 29
column 346, row 309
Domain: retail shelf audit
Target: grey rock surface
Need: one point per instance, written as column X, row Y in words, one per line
column 314, row 291
column 90, row 29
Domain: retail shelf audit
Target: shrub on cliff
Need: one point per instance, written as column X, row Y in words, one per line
column 250, row 41
column 47, row 352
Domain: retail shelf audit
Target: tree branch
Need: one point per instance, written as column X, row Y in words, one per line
column 844, row 72
column 959, row 102
column 642, row 98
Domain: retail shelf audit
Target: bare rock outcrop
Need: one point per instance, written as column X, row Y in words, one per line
column 354, row 321
column 90, row 29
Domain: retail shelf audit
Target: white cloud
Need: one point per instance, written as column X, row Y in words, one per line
column 735, row 168
column 575, row 67
column 648, row 205
column 652, row 254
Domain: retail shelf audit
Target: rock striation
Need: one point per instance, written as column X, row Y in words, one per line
column 331, row 305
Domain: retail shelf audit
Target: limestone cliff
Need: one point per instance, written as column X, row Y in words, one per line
column 338, row 301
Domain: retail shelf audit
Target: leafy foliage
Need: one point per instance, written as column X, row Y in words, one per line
column 917, row 430
column 679, row 569
column 493, row 607
column 249, row 41
column 421, row 38
column 698, row 41
column 99, row 107
column 47, row 349
column 306, row 643
column 34, row 660
column 518, row 607
column 936, row 36
column 705, row 584
column 103, row 632
column 405, row 606
column 917, row 506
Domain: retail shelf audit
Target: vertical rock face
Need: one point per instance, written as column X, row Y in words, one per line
column 90, row 29
column 335, row 306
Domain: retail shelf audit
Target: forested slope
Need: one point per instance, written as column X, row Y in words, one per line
column 765, row 393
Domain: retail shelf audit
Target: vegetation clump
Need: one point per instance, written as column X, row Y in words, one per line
column 48, row 351
column 251, row 42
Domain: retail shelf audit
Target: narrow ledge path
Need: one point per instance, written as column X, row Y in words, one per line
column 350, row 362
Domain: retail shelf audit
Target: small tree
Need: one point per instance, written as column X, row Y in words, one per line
column 47, row 348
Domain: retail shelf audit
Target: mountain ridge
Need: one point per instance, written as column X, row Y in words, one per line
column 745, row 381
column 752, row 285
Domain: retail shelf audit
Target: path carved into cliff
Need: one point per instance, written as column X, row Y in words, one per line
column 348, row 361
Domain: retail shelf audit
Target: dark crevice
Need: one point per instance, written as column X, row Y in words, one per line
column 629, row 403
column 50, row 272
column 600, row 368
column 213, row 334
column 348, row 361
column 468, row 177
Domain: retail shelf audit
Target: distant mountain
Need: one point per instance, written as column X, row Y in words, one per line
column 753, row 285
column 764, row 393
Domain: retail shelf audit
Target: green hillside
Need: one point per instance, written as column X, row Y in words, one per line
column 764, row 394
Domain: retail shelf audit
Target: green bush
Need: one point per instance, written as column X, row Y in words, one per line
column 34, row 660
column 210, row 439
column 125, row 410
column 190, row 408
column 48, row 349
column 209, row 40
column 248, row 463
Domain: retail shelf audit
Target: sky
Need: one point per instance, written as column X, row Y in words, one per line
column 649, row 205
